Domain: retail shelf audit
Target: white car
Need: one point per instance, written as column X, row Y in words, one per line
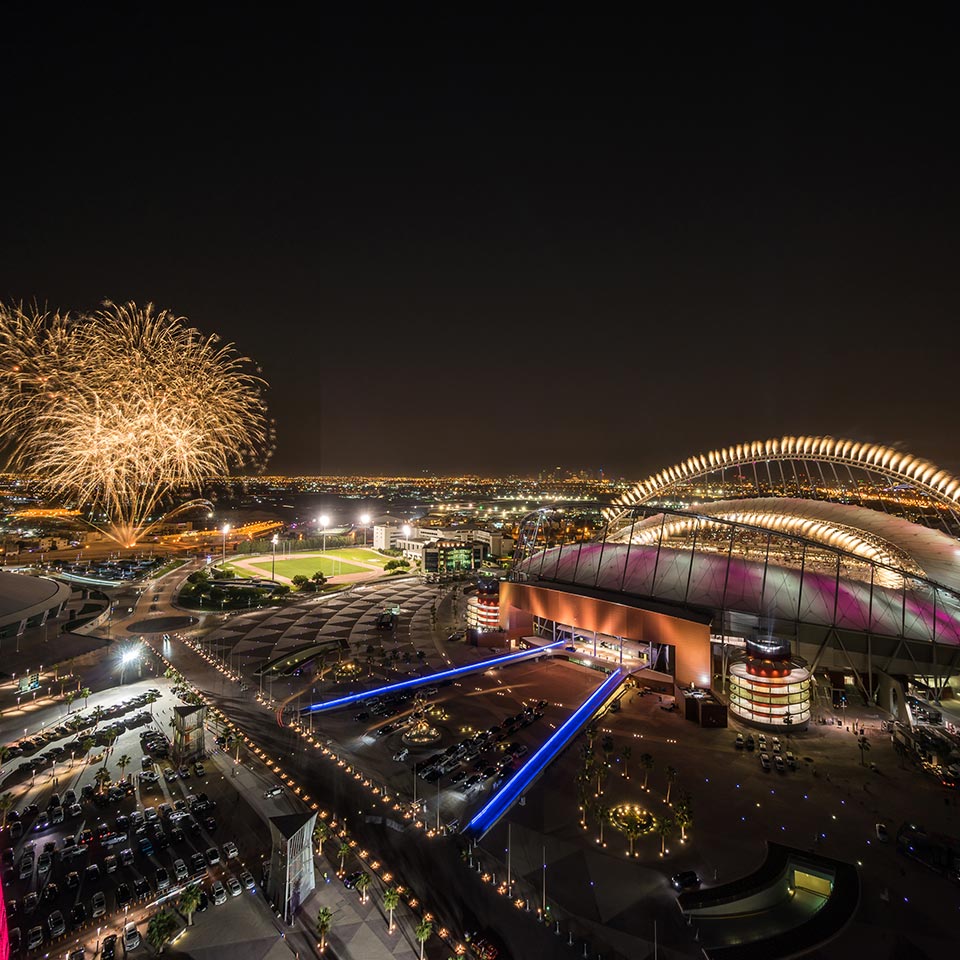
column 230, row 850
column 99, row 905
column 219, row 894
column 180, row 870
column 233, row 885
column 131, row 936
column 273, row 792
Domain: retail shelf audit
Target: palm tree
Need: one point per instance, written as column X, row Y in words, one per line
column 111, row 740
column 88, row 744
column 603, row 814
column 423, row 933
column 671, row 780
column 96, row 715
column 626, row 753
column 190, row 900
column 391, row 900
column 646, row 762
column 342, row 853
column 69, row 697
column 324, row 923
column 84, row 694
column 123, row 763
column 160, row 929
column 683, row 814
column 363, row 881
column 6, row 802
column 665, row 828
column 102, row 778
column 320, row 833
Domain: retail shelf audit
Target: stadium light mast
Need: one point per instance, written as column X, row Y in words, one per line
column 324, row 522
column 273, row 564
column 224, row 531
column 365, row 520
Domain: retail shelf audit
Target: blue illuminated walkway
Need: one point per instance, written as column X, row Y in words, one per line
column 510, row 792
column 432, row 678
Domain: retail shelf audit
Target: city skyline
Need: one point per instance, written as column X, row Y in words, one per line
column 454, row 247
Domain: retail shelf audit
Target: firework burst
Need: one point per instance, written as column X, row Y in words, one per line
column 122, row 408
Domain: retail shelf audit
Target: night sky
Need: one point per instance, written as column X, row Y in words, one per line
column 505, row 244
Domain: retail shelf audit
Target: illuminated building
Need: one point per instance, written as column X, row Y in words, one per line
column 769, row 687
column 483, row 609
column 843, row 555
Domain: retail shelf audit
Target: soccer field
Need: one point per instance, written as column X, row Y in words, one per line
column 329, row 565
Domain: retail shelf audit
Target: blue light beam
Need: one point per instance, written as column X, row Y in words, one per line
column 431, row 678
column 507, row 795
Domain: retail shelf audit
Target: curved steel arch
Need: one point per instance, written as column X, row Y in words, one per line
column 853, row 542
column 937, row 483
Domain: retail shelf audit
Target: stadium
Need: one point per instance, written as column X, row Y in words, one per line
column 774, row 575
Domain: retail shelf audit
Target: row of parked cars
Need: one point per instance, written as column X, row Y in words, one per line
column 81, row 728
column 781, row 760
column 481, row 750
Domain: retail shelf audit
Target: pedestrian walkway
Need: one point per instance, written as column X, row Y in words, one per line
column 359, row 930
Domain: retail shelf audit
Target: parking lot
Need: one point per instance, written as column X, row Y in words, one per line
column 114, row 831
column 487, row 724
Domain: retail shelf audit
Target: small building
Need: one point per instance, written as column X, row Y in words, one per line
column 446, row 557
column 188, row 741
column 291, row 878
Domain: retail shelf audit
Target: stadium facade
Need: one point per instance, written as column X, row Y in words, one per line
column 752, row 569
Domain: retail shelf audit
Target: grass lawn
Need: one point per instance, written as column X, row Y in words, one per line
column 362, row 554
column 329, row 566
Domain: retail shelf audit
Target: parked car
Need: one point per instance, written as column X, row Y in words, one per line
column 98, row 905
column 218, row 892
column 233, row 885
column 131, row 936
column 230, row 850
column 350, row 880
column 56, row 924
column 765, row 761
column 213, row 856
column 246, row 878
column 108, row 947
column 124, row 895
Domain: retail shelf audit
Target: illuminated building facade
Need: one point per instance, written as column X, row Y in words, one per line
column 844, row 555
column 483, row 609
column 769, row 687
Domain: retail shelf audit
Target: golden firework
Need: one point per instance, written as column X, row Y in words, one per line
column 121, row 409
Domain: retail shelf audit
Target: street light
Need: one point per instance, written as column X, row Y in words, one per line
column 364, row 520
column 273, row 565
column 225, row 531
column 324, row 522
column 128, row 656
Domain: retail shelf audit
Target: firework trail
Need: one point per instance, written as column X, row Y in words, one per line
column 120, row 409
